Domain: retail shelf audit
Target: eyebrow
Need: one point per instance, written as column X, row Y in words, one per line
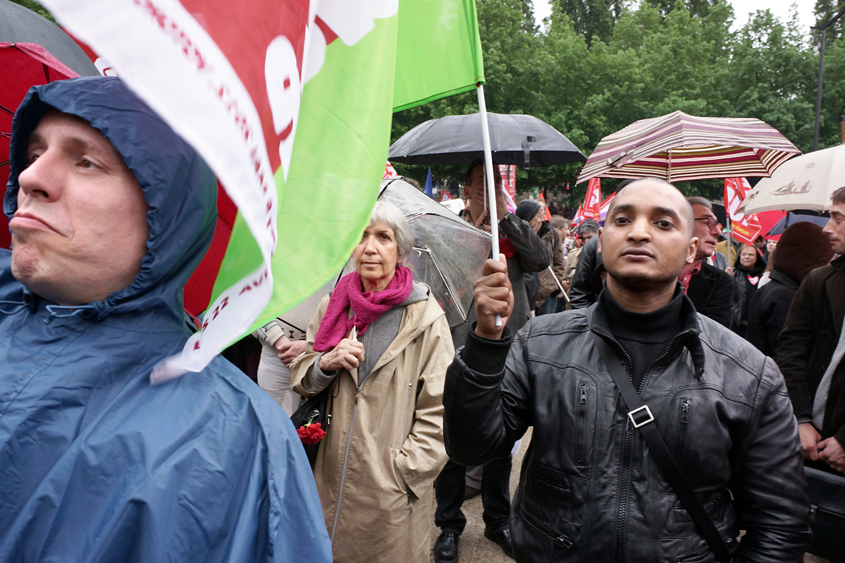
column 662, row 210
column 79, row 144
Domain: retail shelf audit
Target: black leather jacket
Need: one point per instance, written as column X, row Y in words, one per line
column 589, row 489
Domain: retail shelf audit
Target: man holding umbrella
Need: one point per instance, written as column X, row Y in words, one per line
column 525, row 253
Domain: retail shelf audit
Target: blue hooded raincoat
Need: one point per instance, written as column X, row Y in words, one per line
column 96, row 464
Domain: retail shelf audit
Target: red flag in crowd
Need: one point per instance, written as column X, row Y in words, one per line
column 445, row 196
column 389, row 172
column 592, row 201
column 745, row 228
column 508, row 173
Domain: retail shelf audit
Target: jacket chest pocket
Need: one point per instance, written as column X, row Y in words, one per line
column 565, row 422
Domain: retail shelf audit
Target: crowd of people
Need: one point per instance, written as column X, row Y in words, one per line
column 674, row 397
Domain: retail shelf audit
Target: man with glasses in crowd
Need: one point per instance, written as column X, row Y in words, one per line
column 709, row 288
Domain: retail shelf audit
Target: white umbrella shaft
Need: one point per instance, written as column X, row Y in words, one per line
column 558, row 284
column 489, row 179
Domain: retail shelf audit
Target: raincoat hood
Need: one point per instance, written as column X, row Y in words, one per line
column 179, row 187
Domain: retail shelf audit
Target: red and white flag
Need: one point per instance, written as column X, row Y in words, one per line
column 592, row 200
column 389, row 172
column 445, row 196
column 508, row 173
column 579, row 216
column 745, row 228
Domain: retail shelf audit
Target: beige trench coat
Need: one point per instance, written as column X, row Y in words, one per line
column 384, row 447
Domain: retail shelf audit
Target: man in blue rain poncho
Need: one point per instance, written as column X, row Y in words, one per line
column 110, row 213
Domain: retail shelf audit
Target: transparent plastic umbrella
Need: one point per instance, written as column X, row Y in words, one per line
column 448, row 255
column 448, row 252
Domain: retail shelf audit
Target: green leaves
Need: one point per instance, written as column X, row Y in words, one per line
column 602, row 64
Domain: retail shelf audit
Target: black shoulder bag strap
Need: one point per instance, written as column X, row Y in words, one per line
column 643, row 420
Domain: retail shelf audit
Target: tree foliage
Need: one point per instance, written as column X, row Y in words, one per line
column 593, row 71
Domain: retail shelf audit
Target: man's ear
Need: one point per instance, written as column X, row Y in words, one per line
column 598, row 234
column 691, row 250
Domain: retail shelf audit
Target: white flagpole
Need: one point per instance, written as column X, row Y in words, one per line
column 489, row 179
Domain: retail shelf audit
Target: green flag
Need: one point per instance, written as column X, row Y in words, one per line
column 342, row 140
column 438, row 51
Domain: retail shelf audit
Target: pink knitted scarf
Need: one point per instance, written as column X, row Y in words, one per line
column 367, row 306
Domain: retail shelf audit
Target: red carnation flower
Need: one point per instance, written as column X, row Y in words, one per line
column 311, row 433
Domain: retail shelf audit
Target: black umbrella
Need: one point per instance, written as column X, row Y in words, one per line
column 523, row 140
column 792, row 218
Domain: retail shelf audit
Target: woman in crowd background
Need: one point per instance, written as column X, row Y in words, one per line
column 384, row 342
column 749, row 267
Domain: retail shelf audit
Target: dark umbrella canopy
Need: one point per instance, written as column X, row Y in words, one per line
column 33, row 50
column 522, row 140
column 792, row 218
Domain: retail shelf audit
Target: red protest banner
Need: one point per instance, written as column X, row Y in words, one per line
column 745, row 228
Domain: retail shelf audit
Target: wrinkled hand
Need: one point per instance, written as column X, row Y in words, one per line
column 729, row 271
column 348, row 354
column 288, row 350
column 809, row 440
column 831, row 452
column 493, row 296
column 565, row 284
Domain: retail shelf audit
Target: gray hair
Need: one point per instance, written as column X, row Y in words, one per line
column 698, row 200
column 588, row 226
column 393, row 217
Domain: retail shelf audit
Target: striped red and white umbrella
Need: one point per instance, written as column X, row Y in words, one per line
column 679, row 147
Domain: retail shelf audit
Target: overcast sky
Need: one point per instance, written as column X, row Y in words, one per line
column 742, row 8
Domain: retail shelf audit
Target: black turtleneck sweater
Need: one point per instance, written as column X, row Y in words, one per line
column 644, row 336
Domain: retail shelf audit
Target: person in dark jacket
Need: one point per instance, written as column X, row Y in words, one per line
column 532, row 213
column 749, row 267
column 111, row 211
column 525, row 253
column 587, row 281
column 590, row 489
column 815, row 374
column 710, row 288
column 803, row 247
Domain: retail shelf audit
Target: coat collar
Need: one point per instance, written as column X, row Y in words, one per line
column 784, row 279
column 689, row 337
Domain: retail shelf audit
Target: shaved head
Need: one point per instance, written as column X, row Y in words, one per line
column 685, row 208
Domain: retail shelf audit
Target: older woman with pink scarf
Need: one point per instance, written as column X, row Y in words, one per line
column 382, row 342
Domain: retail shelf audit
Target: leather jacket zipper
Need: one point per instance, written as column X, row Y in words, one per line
column 562, row 539
column 625, row 474
column 682, row 430
column 582, row 414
